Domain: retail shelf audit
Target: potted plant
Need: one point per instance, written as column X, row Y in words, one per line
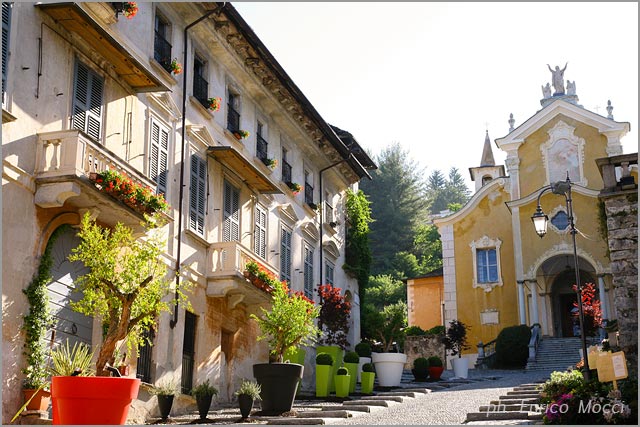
column 270, row 163
column 455, row 340
column 204, row 393
column 388, row 325
column 324, row 363
column 351, row 362
column 368, row 377
column 420, row 369
column 165, row 392
column 175, row 66
column 241, row 134
column 333, row 321
column 294, row 187
column 435, row 367
column 248, row 392
column 129, row 9
column 287, row 324
column 126, row 286
column 214, row 104
column 363, row 349
column 342, row 382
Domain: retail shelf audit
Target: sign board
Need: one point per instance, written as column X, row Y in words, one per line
column 611, row 367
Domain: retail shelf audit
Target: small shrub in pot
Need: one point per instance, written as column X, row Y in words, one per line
column 420, row 369
column 351, row 357
column 324, row 359
column 363, row 349
column 368, row 367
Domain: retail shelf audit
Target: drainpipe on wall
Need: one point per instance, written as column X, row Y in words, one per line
column 218, row 9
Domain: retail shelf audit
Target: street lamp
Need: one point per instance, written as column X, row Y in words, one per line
column 540, row 221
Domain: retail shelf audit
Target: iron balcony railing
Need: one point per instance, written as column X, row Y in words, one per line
column 162, row 51
column 261, row 148
column 233, row 119
column 201, row 90
column 308, row 194
column 286, row 172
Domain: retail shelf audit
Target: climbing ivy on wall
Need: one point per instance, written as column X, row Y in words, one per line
column 39, row 318
column 358, row 252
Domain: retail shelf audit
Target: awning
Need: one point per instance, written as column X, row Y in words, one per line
column 74, row 19
column 251, row 175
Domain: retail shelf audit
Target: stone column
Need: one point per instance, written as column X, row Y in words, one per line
column 533, row 287
column 603, row 298
column 521, row 302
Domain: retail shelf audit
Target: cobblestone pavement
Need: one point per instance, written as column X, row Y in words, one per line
column 446, row 402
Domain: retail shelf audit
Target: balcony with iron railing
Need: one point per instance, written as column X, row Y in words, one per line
column 261, row 148
column 233, row 119
column 201, row 90
column 162, row 51
column 286, row 172
column 65, row 161
column 225, row 276
column 308, row 195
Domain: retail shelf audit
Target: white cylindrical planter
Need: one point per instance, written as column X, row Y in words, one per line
column 389, row 367
column 363, row 360
column 460, row 367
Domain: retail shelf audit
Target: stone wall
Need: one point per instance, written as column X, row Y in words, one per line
column 423, row 346
column 620, row 197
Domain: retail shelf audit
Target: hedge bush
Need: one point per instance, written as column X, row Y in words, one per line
column 512, row 347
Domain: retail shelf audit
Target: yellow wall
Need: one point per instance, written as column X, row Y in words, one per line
column 532, row 168
column 491, row 218
column 425, row 301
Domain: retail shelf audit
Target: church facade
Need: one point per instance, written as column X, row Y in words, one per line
column 497, row 271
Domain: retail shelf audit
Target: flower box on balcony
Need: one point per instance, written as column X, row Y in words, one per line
column 295, row 187
column 138, row 197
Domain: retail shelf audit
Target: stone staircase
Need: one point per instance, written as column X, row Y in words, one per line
column 556, row 354
column 519, row 406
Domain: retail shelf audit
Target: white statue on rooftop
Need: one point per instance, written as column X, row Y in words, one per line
column 557, row 79
column 571, row 87
column 546, row 91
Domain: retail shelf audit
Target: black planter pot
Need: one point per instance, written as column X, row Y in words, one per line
column 246, row 405
column 420, row 375
column 278, row 382
column 204, row 403
column 164, row 404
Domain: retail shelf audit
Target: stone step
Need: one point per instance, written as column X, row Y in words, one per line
column 489, row 416
column 398, row 399
column 520, row 397
column 515, row 407
column 324, row 414
column 412, row 390
column 400, row 393
column 353, row 408
column 349, row 403
column 523, row 393
column 285, row 421
column 515, row 401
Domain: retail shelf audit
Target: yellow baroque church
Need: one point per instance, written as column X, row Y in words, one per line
column 497, row 271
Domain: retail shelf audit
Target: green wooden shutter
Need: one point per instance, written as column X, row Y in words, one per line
column 158, row 162
column 260, row 233
column 231, row 225
column 6, row 30
column 285, row 255
column 198, row 194
column 87, row 101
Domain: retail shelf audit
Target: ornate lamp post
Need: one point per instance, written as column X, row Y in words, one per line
column 540, row 223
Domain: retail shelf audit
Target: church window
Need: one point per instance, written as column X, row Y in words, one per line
column 486, row 263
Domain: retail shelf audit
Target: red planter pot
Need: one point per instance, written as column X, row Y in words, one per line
column 435, row 372
column 40, row 401
column 92, row 400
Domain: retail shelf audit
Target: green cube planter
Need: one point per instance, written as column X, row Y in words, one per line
column 353, row 373
column 366, row 382
column 342, row 385
column 323, row 372
column 338, row 355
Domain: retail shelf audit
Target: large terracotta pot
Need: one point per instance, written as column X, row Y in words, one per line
column 39, row 402
column 389, row 367
column 92, row 400
column 278, row 383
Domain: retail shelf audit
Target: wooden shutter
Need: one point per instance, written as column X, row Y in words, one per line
column 198, row 195
column 231, row 226
column 158, row 162
column 87, row 101
column 6, row 30
column 260, row 233
column 308, row 271
column 285, row 255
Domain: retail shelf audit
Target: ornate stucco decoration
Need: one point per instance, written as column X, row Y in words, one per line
column 563, row 248
column 485, row 242
column 563, row 152
column 490, row 317
column 288, row 214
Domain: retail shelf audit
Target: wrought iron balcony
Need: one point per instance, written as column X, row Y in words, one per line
column 286, row 172
column 233, row 119
column 225, row 276
column 201, row 90
column 64, row 162
column 308, row 195
column 261, row 148
column 162, row 51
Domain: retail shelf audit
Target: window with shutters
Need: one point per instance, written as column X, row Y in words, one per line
column 200, row 83
column 198, row 194
column 308, row 270
column 231, row 204
column 6, row 31
column 285, row 255
column 159, row 156
column 87, row 101
column 260, row 232
column 329, row 268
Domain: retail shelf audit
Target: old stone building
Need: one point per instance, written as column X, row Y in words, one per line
column 86, row 88
column 497, row 271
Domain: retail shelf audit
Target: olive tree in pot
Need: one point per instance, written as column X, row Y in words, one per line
column 287, row 324
column 455, row 341
column 248, row 392
column 204, row 393
column 387, row 326
column 125, row 287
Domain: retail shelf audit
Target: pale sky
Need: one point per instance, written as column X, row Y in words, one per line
column 434, row 76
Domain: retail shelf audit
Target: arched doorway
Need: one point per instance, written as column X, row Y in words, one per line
column 67, row 323
column 564, row 298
